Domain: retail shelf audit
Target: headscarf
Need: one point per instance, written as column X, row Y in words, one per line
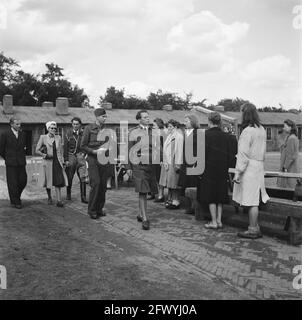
column 49, row 123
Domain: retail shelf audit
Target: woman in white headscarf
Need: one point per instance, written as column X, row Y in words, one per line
column 52, row 172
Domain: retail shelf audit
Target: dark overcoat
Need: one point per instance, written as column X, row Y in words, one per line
column 13, row 149
column 212, row 186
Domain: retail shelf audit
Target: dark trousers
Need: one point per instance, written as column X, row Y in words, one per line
column 77, row 164
column 16, row 178
column 98, row 182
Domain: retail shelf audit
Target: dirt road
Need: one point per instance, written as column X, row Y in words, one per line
column 53, row 253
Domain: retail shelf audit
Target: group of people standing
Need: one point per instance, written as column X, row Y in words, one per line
column 168, row 144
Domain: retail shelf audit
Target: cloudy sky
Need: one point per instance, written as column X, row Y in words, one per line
column 213, row 48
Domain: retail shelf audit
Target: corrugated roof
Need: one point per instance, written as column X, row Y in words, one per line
column 31, row 115
column 271, row 118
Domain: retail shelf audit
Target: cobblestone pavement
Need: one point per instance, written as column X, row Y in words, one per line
column 261, row 268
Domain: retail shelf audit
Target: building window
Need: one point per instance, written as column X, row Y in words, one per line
column 300, row 133
column 269, row 134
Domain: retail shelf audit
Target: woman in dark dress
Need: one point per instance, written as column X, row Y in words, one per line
column 212, row 187
column 57, row 172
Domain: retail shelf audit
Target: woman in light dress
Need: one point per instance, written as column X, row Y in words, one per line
column 172, row 161
column 289, row 155
column 52, row 171
column 249, row 188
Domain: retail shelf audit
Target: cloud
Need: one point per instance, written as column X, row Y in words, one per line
column 271, row 71
column 76, row 12
column 203, row 43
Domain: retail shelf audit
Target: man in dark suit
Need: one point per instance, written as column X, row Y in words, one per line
column 12, row 150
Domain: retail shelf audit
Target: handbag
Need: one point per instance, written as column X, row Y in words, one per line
column 43, row 149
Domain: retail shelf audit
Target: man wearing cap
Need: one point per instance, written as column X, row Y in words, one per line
column 12, row 150
column 98, row 172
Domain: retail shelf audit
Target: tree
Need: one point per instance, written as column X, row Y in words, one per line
column 232, row 104
column 159, row 99
column 7, row 68
column 133, row 102
column 53, row 73
column 55, row 85
column 25, row 89
column 33, row 89
column 114, row 96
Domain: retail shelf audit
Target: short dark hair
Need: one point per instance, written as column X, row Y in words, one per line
column 293, row 126
column 139, row 114
column 160, row 123
column 76, row 119
column 174, row 123
column 215, row 118
column 12, row 120
column 250, row 116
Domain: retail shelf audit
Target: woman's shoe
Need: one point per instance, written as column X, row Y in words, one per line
column 146, row 225
column 211, row 225
column 174, row 206
column 168, row 204
column 249, row 235
column 219, row 225
column 49, row 201
column 60, row 204
column 161, row 199
column 139, row 218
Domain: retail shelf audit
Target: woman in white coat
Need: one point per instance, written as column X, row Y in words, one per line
column 249, row 188
column 172, row 161
column 52, row 171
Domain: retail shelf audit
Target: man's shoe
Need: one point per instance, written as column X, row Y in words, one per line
column 102, row 213
column 60, row 204
column 18, row 206
column 84, row 200
column 146, row 225
column 249, row 235
column 139, row 218
column 94, row 216
column 49, row 201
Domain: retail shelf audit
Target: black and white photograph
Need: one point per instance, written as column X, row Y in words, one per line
column 150, row 153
